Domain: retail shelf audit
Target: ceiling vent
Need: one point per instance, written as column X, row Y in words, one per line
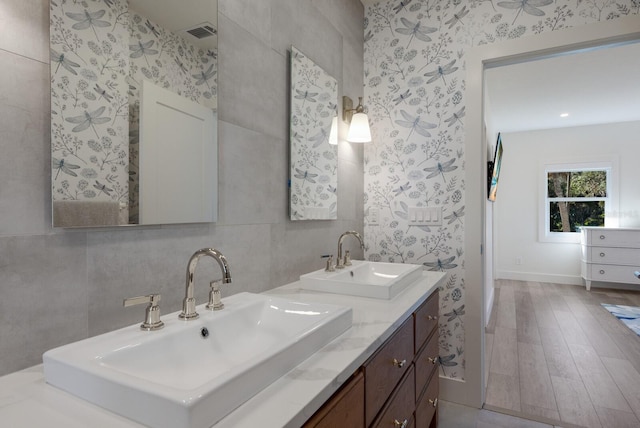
column 206, row 29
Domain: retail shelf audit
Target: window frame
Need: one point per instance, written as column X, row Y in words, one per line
column 610, row 166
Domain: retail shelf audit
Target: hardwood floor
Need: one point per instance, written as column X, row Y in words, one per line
column 555, row 355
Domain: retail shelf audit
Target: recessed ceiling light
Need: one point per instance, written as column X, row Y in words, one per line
column 564, row 114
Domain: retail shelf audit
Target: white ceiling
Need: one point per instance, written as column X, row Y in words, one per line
column 593, row 87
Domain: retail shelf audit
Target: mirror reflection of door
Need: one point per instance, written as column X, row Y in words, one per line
column 176, row 135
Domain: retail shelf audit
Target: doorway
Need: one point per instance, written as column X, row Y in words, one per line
column 479, row 289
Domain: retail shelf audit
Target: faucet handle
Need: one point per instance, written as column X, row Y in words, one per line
column 152, row 312
column 330, row 267
column 215, row 302
column 347, row 258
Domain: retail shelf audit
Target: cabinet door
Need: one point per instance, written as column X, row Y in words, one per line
column 426, row 363
column 427, row 407
column 399, row 410
column 426, row 319
column 383, row 371
column 344, row 409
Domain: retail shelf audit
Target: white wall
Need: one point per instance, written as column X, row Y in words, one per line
column 516, row 209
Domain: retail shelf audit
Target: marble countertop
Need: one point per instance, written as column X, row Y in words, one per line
column 27, row 401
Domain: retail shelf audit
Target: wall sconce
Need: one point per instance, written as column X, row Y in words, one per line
column 359, row 131
column 333, row 134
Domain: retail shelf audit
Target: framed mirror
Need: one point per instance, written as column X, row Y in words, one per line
column 133, row 112
column 313, row 141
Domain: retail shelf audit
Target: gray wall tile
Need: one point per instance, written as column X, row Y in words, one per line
column 25, row 205
column 253, row 189
column 25, row 28
column 70, row 284
column 43, row 302
column 253, row 81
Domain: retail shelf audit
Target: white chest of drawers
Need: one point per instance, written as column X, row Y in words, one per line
column 610, row 255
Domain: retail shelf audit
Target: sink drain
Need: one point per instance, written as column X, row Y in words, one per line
column 204, row 332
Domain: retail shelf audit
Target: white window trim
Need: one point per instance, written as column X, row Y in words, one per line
column 608, row 163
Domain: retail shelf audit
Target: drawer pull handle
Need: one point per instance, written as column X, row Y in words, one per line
column 601, row 254
column 601, row 271
column 601, row 236
column 399, row 364
column 432, row 360
column 399, row 424
column 434, row 401
column 430, row 317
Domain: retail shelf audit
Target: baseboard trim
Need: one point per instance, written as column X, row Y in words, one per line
column 539, row 277
column 456, row 391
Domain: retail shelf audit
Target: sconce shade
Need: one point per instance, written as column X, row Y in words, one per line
column 333, row 134
column 359, row 131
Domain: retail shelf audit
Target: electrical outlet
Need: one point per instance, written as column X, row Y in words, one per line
column 373, row 220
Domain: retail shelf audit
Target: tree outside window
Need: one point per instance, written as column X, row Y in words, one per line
column 576, row 198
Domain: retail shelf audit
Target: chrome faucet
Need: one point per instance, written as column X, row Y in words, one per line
column 340, row 262
column 189, row 302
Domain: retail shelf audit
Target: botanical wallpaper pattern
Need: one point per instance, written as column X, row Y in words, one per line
column 89, row 101
column 100, row 53
column 415, row 95
column 314, row 162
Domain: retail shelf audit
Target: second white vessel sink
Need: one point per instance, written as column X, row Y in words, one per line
column 366, row 279
column 193, row 373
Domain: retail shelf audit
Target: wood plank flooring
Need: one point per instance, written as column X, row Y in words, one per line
column 555, row 355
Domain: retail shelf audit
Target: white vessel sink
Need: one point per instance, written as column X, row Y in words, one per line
column 176, row 377
column 367, row 279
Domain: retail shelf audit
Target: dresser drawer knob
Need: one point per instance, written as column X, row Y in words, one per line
column 601, row 236
column 430, row 317
column 399, row 424
column 601, row 271
column 432, row 360
column 434, row 401
column 601, row 254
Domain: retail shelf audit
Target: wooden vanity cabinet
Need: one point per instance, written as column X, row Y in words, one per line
column 344, row 409
column 385, row 368
column 400, row 407
column 397, row 386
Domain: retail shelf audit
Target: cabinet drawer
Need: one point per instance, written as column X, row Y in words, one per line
column 614, row 256
column 400, row 407
column 426, row 319
column 345, row 408
column 612, row 273
column 613, row 238
column 383, row 371
column 426, row 363
column 428, row 403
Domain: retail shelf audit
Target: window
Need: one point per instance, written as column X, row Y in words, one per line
column 575, row 195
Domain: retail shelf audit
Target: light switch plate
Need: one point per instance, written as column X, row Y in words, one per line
column 425, row 216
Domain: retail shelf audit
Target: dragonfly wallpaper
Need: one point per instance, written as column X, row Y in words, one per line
column 314, row 162
column 415, row 94
column 100, row 52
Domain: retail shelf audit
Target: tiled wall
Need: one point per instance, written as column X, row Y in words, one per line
column 57, row 286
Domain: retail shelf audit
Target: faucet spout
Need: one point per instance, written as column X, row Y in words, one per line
column 189, row 302
column 340, row 261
